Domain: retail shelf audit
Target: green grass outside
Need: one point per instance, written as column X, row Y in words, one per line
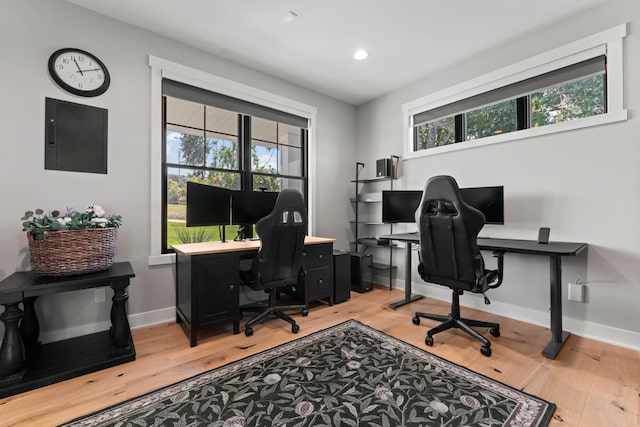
column 177, row 231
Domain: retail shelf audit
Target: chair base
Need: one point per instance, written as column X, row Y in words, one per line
column 272, row 310
column 454, row 320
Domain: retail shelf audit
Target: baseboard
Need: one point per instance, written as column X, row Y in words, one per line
column 138, row 320
column 586, row 329
column 591, row 330
column 150, row 318
column 72, row 332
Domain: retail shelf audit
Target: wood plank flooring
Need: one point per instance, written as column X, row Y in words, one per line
column 592, row 383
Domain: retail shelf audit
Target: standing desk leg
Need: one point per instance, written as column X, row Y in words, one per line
column 558, row 336
column 407, row 280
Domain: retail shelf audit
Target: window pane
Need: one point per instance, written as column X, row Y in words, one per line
column 178, row 233
column 265, row 183
column 289, row 135
column 297, row 184
column 265, row 130
column 492, row 120
column 264, row 157
column 436, row 133
column 185, row 113
column 221, row 121
column 575, row 100
column 177, row 179
column 185, row 146
column 272, row 183
column 290, row 161
column 222, row 151
column 177, row 182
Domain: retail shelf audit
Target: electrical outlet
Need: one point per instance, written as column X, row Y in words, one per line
column 576, row 292
column 101, row 295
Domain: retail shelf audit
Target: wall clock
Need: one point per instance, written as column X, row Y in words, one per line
column 79, row 72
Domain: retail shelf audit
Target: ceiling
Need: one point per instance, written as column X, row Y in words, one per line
column 407, row 39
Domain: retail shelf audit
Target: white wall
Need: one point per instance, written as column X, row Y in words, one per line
column 583, row 184
column 29, row 32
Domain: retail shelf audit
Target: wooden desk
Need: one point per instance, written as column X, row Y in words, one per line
column 207, row 280
column 25, row 364
column 554, row 250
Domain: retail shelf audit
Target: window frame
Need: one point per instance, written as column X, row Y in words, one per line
column 609, row 42
column 162, row 68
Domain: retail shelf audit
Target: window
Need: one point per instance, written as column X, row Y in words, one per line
column 573, row 86
column 207, row 144
column 569, row 93
column 570, row 101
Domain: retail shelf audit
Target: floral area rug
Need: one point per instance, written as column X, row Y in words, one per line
column 346, row 375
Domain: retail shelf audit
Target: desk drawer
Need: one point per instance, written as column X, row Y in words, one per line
column 319, row 284
column 318, row 255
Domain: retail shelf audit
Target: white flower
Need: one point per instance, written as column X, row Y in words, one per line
column 64, row 221
column 100, row 222
column 96, row 209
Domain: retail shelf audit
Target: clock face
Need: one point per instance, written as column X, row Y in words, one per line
column 79, row 72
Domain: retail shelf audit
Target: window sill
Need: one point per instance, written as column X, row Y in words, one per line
column 164, row 259
column 602, row 119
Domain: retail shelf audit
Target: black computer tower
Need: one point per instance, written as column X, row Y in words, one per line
column 341, row 276
column 361, row 274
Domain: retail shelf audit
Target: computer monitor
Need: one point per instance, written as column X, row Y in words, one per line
column 207, row 205
column 488, row 200
column 248, row 207
column 400, row 206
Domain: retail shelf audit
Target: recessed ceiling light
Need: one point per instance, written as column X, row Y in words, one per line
column 360, row 55
column 289, row 17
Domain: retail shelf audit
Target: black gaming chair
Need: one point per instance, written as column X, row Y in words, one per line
column 279, row 259
column 449, row 255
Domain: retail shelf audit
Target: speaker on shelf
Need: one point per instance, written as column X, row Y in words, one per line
column 384, row 167
column 341, row 276
column 361, row 274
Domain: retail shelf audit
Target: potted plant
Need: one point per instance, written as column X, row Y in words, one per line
column 72, row 243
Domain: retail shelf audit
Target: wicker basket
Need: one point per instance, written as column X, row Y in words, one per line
column 73, row 252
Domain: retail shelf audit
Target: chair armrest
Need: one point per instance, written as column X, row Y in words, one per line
column 500, row 260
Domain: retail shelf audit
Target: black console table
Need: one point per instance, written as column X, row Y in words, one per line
column 26, row 364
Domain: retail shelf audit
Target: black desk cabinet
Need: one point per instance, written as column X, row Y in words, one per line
column 319, row 264
column 207, row 280
column 207, row 291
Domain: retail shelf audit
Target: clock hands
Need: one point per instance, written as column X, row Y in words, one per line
column 81, row 73
column 92, row 69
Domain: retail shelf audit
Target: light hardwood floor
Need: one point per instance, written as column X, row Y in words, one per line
column 593, row 384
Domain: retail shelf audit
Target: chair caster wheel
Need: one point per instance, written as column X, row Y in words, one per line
column 416, row 320
column 295, row 329
column 495, row 332
column 486, row 351
column 248, row 332
column 429, row 341
column 305, row 312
